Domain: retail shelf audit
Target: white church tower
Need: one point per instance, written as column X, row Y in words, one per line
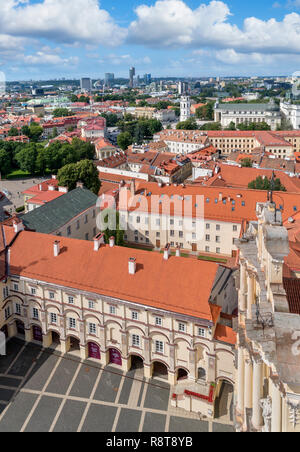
column 185, row 108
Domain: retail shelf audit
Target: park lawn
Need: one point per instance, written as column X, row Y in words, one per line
column 18, row 174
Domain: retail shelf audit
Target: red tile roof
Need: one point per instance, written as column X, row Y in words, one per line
column 173, row 285
column 225, row 334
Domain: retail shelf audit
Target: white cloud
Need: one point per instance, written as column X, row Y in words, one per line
column 42, row 57
column 64, row 21
column 173, row 23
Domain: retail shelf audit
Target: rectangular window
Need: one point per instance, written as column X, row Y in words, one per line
column 51, row 295
column 134, row 315
column 35, row 313
column 92, row 328
column 207, row 249
column 71, row 300
column 78, row 224
column 53, row 318
column 5, row 292
column 91, row 304
column 158, row 321
column 201, row 332
column 86, row 219
column 234, row 228
column 112, row 310
column 7, row 312
column 181, row 234
column 69, row 230
column 87, row 236
column 33, row 291
column 18, row 309
column 72, row 323
column 16, row 287
column 159, row 347
column 218, row 239
column 218, row 250
column 207, row 238
column 181, row 327
column 218, row 227
column 136, row 340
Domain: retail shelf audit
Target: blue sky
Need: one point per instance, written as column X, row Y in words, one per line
column 42, row 39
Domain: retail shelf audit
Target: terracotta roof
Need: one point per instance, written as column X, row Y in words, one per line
column 173, row 285
column 236, row 204
column 225, row 334
column 45, row 196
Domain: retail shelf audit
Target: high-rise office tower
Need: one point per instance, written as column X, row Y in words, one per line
column 109, row 78
column 131, row 75
column 86, row 84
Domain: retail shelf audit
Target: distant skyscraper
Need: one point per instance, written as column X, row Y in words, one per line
column 147, row 79
column 86, row 84
column 109, row 78
column 183, row 88
column 131, row 75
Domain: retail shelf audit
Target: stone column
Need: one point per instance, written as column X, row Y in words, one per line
column 257, row 419
column 276, row 410
column 12, row 329
column 248, row 383
column 242, row 287
column 47, row 339
column 250, row 298
column 28, row 334
column 241, row 380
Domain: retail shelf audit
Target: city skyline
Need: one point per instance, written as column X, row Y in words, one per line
column 50, row 39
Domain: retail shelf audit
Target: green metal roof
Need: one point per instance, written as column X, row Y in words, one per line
column 249, row 107
column 57, row 213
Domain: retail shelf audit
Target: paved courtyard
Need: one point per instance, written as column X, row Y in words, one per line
column 42, row 391
column 15, row 187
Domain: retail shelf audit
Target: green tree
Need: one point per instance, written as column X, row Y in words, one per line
column 118, row 233
column 231, row 126
column 246, row 163
column 261, row 183
column 13, row 132
column 124, row 140
column 189, row 124
column 5, row 164
column 83, row 171
column 211, row 126
column 26, row 158
column 62, row 112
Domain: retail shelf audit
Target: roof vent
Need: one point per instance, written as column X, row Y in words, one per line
column 112, row 242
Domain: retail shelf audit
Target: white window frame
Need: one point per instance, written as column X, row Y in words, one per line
column 92, row 328
column 35, row 313
column 70, row 299
column 72, row 323
column 136, row 340
column 159, row 347
column 18, row 308
column 112, row 310
column 134, row 315
column 181, row 327
column 158, row 321
column 53, row 318
column 201, row 331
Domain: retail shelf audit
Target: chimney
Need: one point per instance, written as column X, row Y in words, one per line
column 178, row 251
column 79, row 184
column 167, row 252
column 132, row 266
column 112, row 242
column 56, row 248
column 220, row 197
column 132, row 187
column 98, row 241
column 40, row 187
column 18, row 226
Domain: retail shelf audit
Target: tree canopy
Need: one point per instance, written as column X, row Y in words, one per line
column 261, row 183
column 84, row 171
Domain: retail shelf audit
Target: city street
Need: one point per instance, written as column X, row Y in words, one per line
column 42, row 391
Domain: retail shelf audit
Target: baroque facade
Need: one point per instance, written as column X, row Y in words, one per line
column 102, row 303
column 268, row 367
